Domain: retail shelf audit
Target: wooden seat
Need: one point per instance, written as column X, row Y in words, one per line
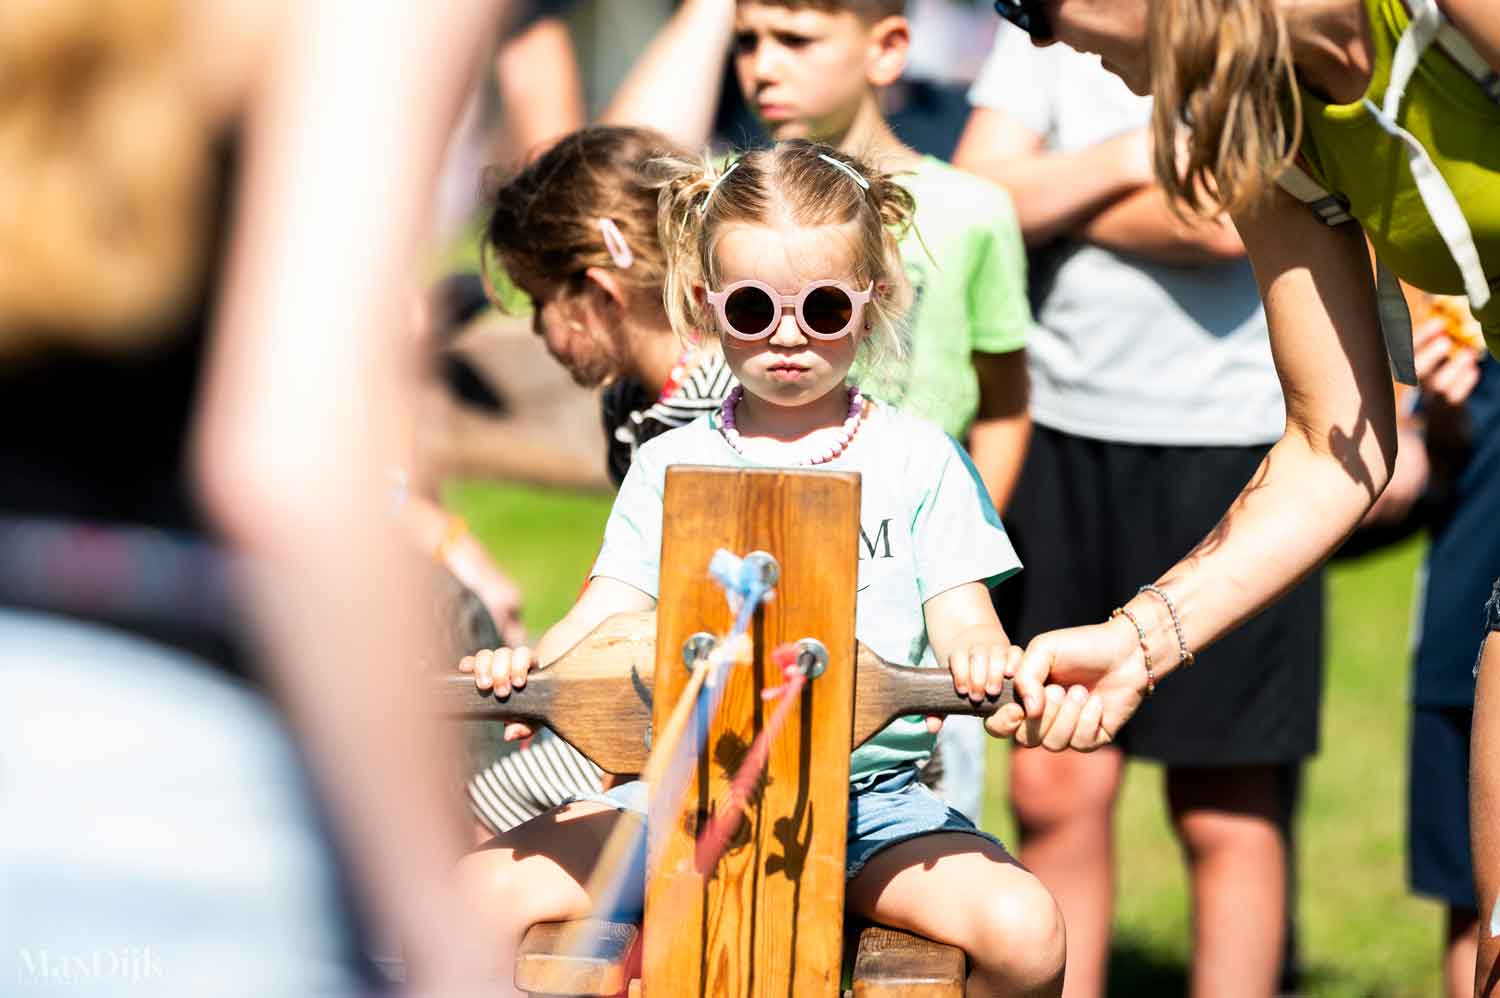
column 605, row 967
column 888, row 964
column 895, row 964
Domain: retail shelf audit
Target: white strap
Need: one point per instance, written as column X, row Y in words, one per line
column 1458, row 48
column 1330, row 208
column 1443, row 208
column 1426, row 19
column 1462, row 51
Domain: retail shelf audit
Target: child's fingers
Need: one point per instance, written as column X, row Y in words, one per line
column 958, row 665
column 466, row 664
column 994, row 677
column 520, row 664
column 934, row 724
column 1060, row 735
column 515, row 731
column 979, row 672
column 482, row 662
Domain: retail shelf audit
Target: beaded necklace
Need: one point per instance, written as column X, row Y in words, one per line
column 813, row 450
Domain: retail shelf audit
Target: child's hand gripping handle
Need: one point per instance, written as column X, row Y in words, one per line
column 596, row 696
column 884, row 692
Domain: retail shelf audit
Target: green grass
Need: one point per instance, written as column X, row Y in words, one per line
column 1361, row 933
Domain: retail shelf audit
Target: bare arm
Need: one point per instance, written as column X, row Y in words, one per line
column 1479, row 20
column 503, row 669
column 1312, row 489
column 967, row 636
column 1142, row 224
column 537, row 76
column 307, row 400
column 674, row 86
column 603, row 598
column 1054, row 193
column 998, row 438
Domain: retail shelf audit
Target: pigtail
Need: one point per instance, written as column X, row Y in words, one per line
column 684, row 186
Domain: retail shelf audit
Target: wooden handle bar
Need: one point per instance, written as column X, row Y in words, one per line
column 597, row 696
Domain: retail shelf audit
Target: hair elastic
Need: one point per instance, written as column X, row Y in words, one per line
column 703, row 208
column 614, row 241
column 853, row 173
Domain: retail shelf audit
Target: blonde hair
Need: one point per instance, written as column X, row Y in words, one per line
column 104, row 171
column 792, row 181
column 1225, row 89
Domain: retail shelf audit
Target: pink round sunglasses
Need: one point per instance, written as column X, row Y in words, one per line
column 825, row 310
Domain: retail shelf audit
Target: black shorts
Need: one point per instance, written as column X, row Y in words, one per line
column 1093, row 521
column 1438, row 862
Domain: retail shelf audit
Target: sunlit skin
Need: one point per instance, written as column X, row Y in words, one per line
column 1114, row 30
column 804, row 72
column 794, row 384
column 570, row 331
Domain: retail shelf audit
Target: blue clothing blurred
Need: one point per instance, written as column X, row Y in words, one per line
column 1462, row 562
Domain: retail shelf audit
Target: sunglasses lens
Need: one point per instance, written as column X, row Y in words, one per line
column 750, row 311
column 827, row 310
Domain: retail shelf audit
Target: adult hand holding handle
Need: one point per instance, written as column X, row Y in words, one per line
column 1078, row 686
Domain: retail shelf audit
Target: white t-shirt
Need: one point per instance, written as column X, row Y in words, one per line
column 926, row 525
column 1127, row 350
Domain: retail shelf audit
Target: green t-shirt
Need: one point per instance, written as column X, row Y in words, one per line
column 1349, row 154
column 970, row 295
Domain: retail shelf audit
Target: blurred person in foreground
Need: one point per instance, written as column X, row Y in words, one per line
column 193, row 507
column 1154, row 399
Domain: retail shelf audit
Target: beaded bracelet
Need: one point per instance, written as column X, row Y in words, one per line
column 1140, row 632
column 1184, row 657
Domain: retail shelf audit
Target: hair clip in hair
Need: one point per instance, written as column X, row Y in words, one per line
column 614, row 241
column 703, row 208
column 853, row 173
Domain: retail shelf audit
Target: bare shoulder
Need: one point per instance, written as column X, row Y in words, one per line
column 1479, row 20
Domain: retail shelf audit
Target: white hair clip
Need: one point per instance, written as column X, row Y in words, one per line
column 853, row 173
column 703, row 208
column 614, row 241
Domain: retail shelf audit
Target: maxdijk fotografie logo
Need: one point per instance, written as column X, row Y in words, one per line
column 43, row 967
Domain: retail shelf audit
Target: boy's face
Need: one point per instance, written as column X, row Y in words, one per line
column 804, row 72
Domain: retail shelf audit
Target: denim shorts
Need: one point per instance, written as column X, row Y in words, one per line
column 885, row 809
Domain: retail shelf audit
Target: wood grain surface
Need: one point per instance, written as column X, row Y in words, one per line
column 767, row 919
column 598, row 696
column 895, row 964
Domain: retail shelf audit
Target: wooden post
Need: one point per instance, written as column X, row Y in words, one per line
column 768, row 919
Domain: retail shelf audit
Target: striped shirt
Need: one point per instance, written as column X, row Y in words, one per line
column 549, row 772
column 632, row 416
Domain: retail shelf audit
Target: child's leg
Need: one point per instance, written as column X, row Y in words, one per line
column 536, row 872
column 966, row 891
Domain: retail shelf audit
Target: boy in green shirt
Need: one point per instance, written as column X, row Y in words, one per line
column 814, row 69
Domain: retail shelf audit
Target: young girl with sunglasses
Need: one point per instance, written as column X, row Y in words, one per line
column 790, row 256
